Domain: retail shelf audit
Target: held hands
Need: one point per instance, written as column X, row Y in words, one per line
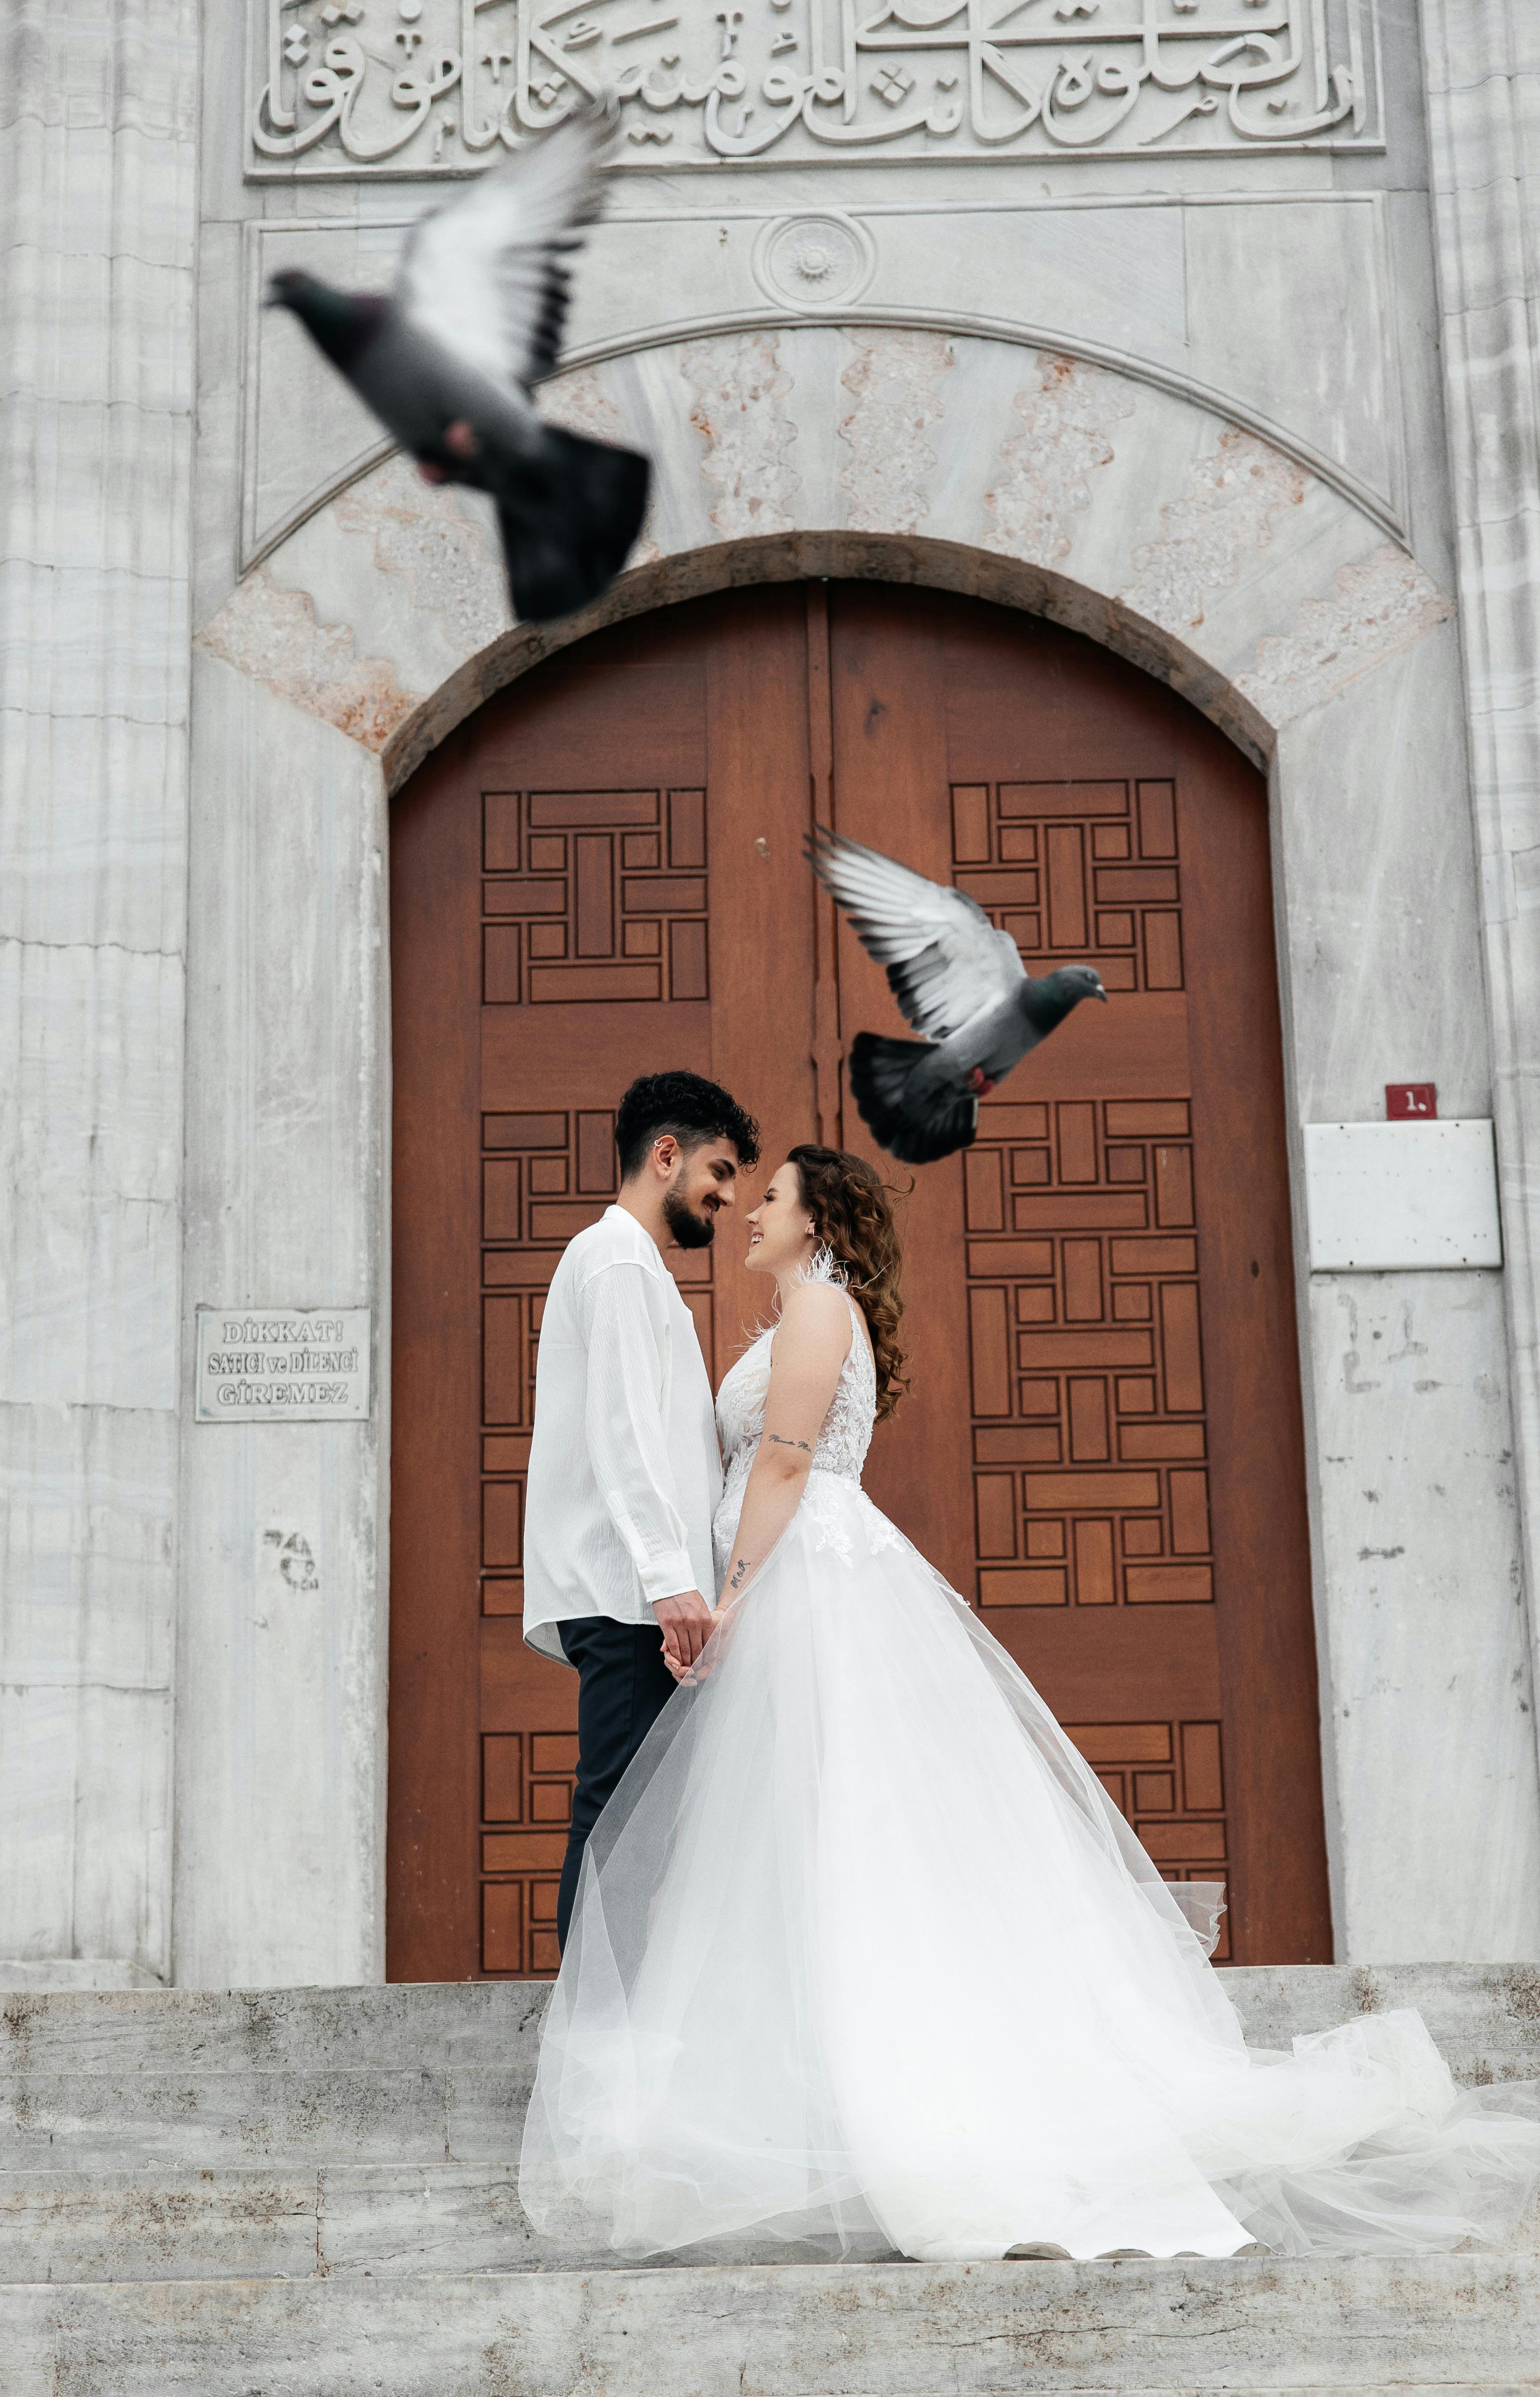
column 720, row 1625
column 686, row 1623
column 701, row 1666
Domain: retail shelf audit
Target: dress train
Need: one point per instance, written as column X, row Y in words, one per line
column 865, row 1957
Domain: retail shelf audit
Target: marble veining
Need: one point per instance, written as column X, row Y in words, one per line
column 1375, row 609
column 740, row 389
column 1069, row 419
column 439, row 541
column 97, row 156
column 1235, row 495
column 1489, row 293
column 272, row 633
column 897, row 386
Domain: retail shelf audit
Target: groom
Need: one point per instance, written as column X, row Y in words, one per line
column 624, row 1467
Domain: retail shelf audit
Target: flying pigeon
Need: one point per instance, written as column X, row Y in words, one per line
column 448, row 360
column 963, row 987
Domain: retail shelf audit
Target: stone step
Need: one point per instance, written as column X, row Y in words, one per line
column 297, row 2222
column 1453, row 2324
column 1486, row 2017
column 401, row 2025
column 100, row 2121
column 263, row 2225
column 418, row 2075
column 288, row 2223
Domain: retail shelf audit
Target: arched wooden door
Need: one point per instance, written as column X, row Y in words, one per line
column 600, row 875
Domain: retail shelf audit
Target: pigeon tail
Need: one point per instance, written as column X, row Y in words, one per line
column 915, row 1126
column 564, row 546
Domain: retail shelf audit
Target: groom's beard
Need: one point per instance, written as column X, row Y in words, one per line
column 689, row 1230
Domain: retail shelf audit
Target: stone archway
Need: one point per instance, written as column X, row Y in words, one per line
column 1212, row 557
column 600, row 874
column 1219, row 562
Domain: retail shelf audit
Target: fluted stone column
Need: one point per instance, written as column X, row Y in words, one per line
column 1482, row 67
column 97, row 238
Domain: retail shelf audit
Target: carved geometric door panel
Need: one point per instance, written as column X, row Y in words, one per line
column 597, row 878
column 1120, row 1393
column 600, row 875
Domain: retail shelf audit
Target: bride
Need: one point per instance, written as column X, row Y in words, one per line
column 864, row 1956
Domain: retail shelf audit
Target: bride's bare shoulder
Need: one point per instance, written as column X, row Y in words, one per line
column 815, row 1315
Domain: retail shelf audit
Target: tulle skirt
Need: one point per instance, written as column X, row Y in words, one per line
column 864, row 1959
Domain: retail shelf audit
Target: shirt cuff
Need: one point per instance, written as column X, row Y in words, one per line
column 667, row 1576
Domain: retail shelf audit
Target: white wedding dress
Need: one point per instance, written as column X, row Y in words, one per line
column 865, row 1957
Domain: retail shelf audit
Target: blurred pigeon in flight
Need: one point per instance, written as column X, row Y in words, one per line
column 448, row 360
column 963, row 987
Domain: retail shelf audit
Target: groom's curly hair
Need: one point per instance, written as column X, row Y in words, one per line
column 849, row 1206
column 689, row 1107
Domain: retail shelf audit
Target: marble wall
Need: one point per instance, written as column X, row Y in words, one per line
column 96, row 248
column 1186, row 400
column 280, row 1760
column 1483, row 103
column 1221, row 562
column 1083, row 386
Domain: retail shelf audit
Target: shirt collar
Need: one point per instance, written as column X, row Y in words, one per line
column 639, row 1238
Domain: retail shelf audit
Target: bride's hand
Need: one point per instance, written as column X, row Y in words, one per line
column 704, row 1662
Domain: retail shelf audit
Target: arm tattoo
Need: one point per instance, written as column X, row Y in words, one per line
column 739, row 1570
column 776, row 1442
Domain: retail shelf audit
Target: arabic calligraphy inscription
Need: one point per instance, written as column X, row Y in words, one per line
column 357, row 88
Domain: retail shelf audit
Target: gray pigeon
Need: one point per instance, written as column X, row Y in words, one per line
column 447, row 360
column 963, row 987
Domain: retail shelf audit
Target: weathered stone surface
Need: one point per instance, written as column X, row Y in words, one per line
column 739, row 389
column 1070, row 413
column 309, row 2192
column 121, row 2079
column 88, row 2120
column 98, row 151
column 274, row 635
column 1485, row 2017
column 387, row 2027
column 1452, row 2323
column 290, row 2221
column 894, row 391
column 279, row 1875
column 166, row 2225
column 1481, row 66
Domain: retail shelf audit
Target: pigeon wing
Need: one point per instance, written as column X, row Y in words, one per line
column 485, row 276
column 946, row 961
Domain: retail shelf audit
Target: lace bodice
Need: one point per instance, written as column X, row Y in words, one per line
column 847, row 1429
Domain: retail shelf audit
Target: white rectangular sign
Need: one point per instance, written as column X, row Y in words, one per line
column 1388, row 1197
column 272, row 1364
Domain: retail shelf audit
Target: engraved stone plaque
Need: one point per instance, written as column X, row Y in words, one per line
column 364, row 87
column 274, row 1364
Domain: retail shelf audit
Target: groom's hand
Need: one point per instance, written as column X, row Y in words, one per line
column 685, row 1622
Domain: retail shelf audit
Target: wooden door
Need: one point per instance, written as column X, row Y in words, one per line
column 1105, row 1328
column 600, row 876
column 597, row 878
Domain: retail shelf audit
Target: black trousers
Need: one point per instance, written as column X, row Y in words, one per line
column 623, row 1686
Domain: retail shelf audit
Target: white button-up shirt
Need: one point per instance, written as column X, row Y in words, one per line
column 625, row 1467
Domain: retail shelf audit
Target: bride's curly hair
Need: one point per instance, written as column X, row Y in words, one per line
column 849, row 1204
